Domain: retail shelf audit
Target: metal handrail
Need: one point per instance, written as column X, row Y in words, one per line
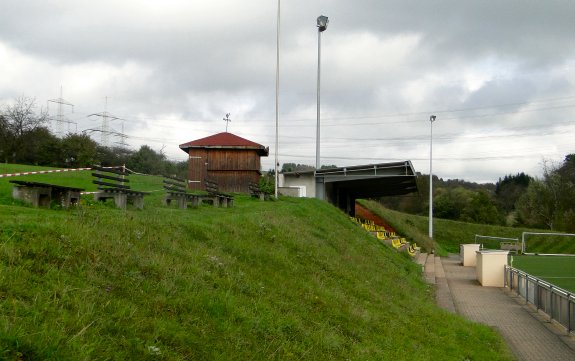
column 555, row 302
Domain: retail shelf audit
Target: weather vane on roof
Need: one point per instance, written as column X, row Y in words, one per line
column 228, row 120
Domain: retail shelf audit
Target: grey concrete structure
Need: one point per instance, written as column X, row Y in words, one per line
column 42, row 194
column 342, row 186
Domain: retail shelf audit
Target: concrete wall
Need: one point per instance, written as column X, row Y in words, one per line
column 467, row 254
column 292, row 191
column 306, row 180
column 490, row 268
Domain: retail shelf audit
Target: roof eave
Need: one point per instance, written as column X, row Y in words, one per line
column 262, row 151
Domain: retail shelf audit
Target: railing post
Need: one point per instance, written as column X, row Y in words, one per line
column 526, row 289
column 568, row 313
column 535, row 290
column 551, row 300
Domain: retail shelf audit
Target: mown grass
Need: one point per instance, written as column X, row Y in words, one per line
column 448, row 235
column 557, row 270
column 80, row 179
column 289, row 279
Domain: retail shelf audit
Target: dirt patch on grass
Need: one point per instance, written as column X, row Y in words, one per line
column 364, row 213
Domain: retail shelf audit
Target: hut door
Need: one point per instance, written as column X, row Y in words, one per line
column 197, row 166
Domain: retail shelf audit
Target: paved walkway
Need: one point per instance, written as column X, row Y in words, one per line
column 529, row 335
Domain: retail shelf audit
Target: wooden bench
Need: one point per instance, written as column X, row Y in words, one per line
column 176, row 190
column 112, row 185
column 216, row 197
column 42, row 194
column 255, row 191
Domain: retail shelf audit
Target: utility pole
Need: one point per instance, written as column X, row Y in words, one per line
column 276, row 162
column 59, row 119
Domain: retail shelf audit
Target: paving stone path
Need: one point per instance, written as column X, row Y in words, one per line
column 529, row 334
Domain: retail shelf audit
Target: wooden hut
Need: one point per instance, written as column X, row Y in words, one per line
column 231, row 161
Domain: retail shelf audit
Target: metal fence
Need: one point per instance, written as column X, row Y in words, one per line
column 554, row 301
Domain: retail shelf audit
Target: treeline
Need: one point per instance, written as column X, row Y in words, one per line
column 515, row 200
column 26, row 139
column 293, row 167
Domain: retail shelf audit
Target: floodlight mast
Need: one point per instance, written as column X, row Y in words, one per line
column 322, row 22
column 431, row 120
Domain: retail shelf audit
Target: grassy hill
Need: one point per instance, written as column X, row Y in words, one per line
column 290, row 279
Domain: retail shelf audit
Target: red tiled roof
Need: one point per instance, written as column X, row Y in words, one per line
column 224, row 140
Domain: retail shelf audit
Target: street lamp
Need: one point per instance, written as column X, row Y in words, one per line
column 431, row 120
column 322, row 22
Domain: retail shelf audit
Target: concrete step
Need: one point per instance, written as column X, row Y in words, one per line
column 429, row 269
column 420, row 259
column 443, row 295
column 434, row 274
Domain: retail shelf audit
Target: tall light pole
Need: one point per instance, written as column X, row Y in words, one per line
column 322, row 22
column 431, row 120
column 276, row 175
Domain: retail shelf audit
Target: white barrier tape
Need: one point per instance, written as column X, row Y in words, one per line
column 42, row 172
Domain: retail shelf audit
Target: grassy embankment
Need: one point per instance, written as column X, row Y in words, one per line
column 290, row 279
column 448, row 235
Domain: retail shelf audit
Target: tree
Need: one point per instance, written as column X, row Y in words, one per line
column 148, row 161
column 292, row 167
column 41, row 147
column 451, row 203
column 536, row 207
column 113, row 156
column 509, row 189
column 267, row 183
column 5, row 137
column 550, row 200
column 78, row 150
column 179, row 169
column 481, row 209
column 18, row 120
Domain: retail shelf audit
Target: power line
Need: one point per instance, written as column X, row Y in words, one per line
column 368, row 142
column 395, row 115
column 505, row 157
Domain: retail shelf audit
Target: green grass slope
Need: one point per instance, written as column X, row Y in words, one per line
column 448, row 235
column 291, row 279
column 81, row 179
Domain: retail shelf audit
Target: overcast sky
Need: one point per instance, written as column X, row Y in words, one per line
column 499, row 76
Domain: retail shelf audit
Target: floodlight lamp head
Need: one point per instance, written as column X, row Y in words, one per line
column 432, row 118
column 322, row 22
